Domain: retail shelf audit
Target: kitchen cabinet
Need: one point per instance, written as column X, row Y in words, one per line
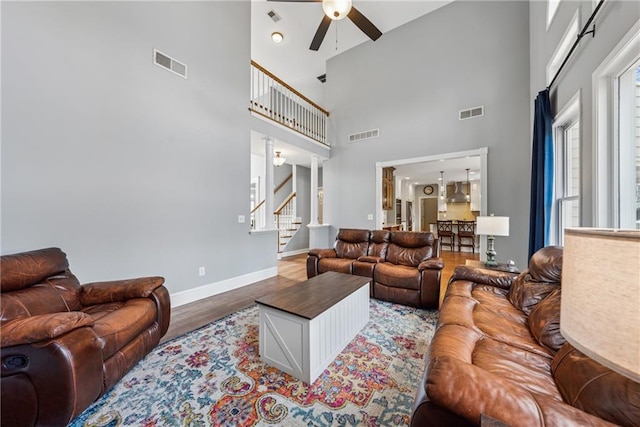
column 388, row 199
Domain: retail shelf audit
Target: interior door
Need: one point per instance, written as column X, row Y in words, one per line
column 428, row 212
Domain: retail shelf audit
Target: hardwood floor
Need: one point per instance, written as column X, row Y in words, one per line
column 291, row 270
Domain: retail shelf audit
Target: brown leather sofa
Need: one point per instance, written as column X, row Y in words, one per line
column 404, row 266
column 498, row 358
column 63, row 345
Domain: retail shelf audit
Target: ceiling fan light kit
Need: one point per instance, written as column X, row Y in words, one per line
column 336, row 9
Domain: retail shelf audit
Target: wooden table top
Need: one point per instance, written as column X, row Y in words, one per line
column 310, row 298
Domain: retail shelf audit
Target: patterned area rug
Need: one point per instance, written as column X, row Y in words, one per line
column 214, row 377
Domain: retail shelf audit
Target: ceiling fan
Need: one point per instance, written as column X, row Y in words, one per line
column 335, row 10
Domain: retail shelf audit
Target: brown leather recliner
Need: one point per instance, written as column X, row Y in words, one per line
column 63, row 345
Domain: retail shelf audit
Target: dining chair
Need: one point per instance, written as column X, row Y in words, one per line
column 466, row 232
column 445, row 231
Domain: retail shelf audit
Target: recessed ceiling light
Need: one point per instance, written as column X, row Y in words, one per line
column 277, row 37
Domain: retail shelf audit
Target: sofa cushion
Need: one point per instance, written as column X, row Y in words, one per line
column 546, row 265
column 397, row 276
column 352, row 243
column 486, row 309
column 340, row 265
column 544, row 322
column 594, row 388
column 407, row 248
column 379, row 243
column 22, row 270
column 539, row 280
column 117, row 324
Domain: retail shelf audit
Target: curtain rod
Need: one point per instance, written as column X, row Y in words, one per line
column 583, row 33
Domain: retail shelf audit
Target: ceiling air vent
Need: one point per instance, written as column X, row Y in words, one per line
column 168, row 63
column 373, row 133
column 471, row 113
column 322, row 78
column 273, row 15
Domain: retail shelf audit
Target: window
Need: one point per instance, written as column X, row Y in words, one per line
column 552, row 7
column 616, row 89
column 566, row 209
column 629, row 146
column 567, row 41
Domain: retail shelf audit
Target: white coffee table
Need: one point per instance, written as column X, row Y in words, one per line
column 305, row 326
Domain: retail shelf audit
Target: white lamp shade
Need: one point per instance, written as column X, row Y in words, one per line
column 492, row 225
column 336, row 9
column 600, row 305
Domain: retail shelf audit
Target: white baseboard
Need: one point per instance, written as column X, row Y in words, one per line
column 291, row 253
column 204, row 291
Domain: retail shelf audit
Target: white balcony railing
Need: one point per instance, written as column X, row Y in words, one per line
column 276, row 100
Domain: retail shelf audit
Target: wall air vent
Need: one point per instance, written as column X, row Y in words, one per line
column 168, row 63
column 373, row 133
column 273, row 15
column 322, row 78
column 471, row 113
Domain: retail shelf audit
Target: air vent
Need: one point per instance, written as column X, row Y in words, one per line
column 168, row 63
column 471, row 113
column 322, row 78
column 373, row 133
column 274, row 16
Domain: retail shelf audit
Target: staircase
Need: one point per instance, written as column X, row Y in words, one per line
column 285, row 222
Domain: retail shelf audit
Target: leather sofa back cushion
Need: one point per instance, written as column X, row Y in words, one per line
column 22, row 270
column 379, row 243
column 594, row 388
column 546, row 265
column 526, row 293
column 544, row 322
column 60, row 293
column 352, row 243
column 409, row 248
column 539, row 280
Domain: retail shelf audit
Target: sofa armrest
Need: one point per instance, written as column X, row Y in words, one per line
column 431, row 264
column 27, row 330
column 323, row 253
column 371, row 259
column 470, row 391
column 118, row 290
column 58, row 378
column 499, row 279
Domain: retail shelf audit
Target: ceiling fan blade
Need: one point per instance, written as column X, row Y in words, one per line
column 298, row 1
column 364, row 24
column 320, row 33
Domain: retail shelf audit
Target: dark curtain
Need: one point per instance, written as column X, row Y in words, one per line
column 541, row 174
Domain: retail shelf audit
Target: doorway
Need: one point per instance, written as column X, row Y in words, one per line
column 428, row 212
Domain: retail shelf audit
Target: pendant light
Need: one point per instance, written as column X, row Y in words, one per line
column 442, row 185
column 468, row 186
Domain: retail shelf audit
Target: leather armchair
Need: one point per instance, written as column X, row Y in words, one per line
column 63, row 345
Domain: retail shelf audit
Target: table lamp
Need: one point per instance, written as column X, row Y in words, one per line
column 600, row 304
column 492, row 226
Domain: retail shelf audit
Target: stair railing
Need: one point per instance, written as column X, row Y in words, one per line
column 256, row 213
column 284, row 220
column 276, row 100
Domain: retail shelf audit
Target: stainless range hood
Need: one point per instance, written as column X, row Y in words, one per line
column 458, row 196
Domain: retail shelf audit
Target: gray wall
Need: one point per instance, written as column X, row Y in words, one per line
column 118, row 161
column 411, row 83
column 614, row 20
